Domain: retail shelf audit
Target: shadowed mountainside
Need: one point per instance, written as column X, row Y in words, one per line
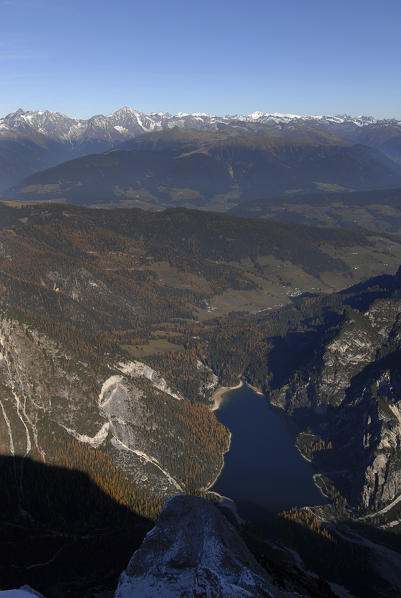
column 59, row 533
column 210, row 170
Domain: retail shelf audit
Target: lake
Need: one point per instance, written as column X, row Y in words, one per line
column 263, row 470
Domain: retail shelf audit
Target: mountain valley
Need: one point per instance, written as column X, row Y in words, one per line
column 200, row 299
column 158, row 160
column 372, row 210
column 117, row 327
column 210, row 174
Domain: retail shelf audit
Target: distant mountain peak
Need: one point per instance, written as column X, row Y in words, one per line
column 17, row 112
column 125, row 110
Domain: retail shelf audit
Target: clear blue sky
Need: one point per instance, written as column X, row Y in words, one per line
column 301, row 56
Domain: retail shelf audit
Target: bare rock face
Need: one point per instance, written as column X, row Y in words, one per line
column 353, row 388
column 382, row 438
column 194, row 551
column 359, row 340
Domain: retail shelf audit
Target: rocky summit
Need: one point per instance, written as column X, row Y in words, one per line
column 193, row 550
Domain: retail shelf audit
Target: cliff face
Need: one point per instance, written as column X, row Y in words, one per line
column 351, row 390
column 194, row 551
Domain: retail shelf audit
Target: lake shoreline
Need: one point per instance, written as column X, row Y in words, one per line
column 217, row 396
column 227, row 503
column 256, row 390
column 263, row 459
column 212, row 483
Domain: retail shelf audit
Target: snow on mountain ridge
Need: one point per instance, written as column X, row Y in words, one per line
column 127, row 123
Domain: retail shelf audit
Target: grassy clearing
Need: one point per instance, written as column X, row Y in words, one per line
column 152, row 348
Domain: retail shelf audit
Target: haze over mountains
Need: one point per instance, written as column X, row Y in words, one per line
column 193, row 159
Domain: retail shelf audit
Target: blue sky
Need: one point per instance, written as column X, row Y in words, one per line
column 301, row 56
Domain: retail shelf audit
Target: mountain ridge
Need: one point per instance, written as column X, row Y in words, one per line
column 157, row 119
column 73, row 137
column 216, row 170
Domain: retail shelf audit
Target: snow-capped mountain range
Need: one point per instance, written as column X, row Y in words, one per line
column 32, row 141
column 126, row 123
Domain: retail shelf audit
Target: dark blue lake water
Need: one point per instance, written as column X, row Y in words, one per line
column 263, row 470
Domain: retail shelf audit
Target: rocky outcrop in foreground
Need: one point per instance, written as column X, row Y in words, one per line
column 23, row 592
column 194, row 551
